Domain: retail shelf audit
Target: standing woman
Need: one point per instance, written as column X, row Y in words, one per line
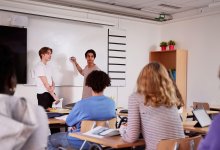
column 152, row 109
column 90, row 56
column 23, row 126
column 45, row 84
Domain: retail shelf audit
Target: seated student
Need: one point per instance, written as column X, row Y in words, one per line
column 211, row 140
column 96, row 107
column 23, row 125
column 152, row 108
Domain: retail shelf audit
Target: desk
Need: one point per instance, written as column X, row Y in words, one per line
column 56, row 124
column 215, row 107
column 113, row 142
column 209, row 112
column 122, row 114
column 60, row 110
column 55, row 121
column 189, row 126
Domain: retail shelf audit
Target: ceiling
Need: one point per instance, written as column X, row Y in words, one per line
column 145, row 9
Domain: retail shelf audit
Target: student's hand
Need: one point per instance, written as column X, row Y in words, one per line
column 122, row 129
column 124, row 124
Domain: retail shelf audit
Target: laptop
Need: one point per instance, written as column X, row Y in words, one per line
column 202, row 117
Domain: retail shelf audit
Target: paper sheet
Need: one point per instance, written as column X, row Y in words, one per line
column 59, row 105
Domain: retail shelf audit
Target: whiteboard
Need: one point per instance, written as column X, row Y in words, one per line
column 67, row 39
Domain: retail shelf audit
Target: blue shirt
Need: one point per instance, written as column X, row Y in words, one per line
column 211, row 140
column 91, row 108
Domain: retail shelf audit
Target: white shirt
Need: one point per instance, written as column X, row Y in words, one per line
column 43, row 70
column 23, row 126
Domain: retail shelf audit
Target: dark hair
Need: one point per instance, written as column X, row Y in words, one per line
column 44, row 50
column 90, row 51
column 7, row 71
column 98, row 81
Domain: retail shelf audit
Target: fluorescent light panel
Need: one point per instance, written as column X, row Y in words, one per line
column 41, row 10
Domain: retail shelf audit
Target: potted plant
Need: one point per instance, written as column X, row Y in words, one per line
column 171, row 44
column 163, row 46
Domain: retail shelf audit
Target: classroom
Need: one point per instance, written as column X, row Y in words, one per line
column 71, row 30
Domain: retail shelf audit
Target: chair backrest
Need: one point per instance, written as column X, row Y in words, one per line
column 87, row 125
column 201, row 105
column 188, row 143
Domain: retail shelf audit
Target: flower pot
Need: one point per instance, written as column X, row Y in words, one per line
column 171, row 47
column 163, row 48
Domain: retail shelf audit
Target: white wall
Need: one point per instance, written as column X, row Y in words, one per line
column 201, row 37
column 141, row 37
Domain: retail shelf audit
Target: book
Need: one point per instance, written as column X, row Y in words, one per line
column 100, row 131
column 62, row 117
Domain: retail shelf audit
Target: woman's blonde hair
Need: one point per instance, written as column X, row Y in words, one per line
column 156, row 86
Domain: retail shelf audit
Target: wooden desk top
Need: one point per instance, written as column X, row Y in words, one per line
column 215, row 107
column 55, row 121
column 60, row 110
column 114, row 142
column 189, row 126
column 122, row 114
column 209, row 112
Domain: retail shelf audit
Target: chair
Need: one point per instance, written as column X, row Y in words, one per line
column 87, row 125
column 188, row 143
column 201, row 105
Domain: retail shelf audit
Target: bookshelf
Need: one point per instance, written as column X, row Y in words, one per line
column 174, row 60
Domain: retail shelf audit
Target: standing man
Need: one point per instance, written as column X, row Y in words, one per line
column 90, row 56
column 45, row 85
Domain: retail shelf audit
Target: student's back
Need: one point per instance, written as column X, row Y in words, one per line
column 97, row 107
column 23, row 126
column 92, row 108
column 156, row 123
column 152, row 108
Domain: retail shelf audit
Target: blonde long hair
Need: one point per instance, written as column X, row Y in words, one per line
column 156, row 86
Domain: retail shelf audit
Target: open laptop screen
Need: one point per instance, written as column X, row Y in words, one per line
column 202, row 117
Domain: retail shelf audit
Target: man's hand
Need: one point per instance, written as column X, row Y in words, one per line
column 73, row 59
